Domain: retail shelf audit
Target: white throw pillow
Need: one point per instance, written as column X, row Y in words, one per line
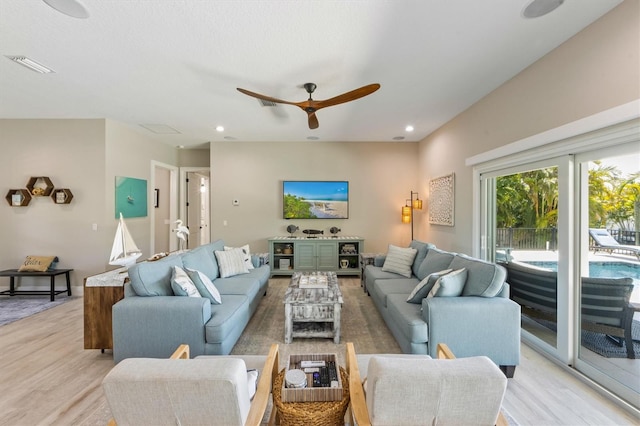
column 231, row 262
column 246, row 255
column 450, row 285
column 399, row 260
column 252, row 382
column 422, row 289
column 205, row 287
column 182, row 284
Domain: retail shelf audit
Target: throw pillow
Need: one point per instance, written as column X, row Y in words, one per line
column 246, row 255
column 422, row 289
column 205, row 287
column 399, row 260
column 252, row 382
column 181, row 284
column 450, row 285
column 231, row 262
column 36, row 263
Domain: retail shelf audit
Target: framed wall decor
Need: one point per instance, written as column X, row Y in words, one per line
column 441, row 200
column 131, row 197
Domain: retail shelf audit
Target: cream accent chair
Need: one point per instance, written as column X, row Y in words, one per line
column 417, row 390
column 209, row 390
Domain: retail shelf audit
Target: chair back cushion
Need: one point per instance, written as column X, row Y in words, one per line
column 423, row 391
column 606, row 300
column 170, row 392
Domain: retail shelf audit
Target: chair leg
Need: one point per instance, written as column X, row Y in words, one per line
column 508, row 370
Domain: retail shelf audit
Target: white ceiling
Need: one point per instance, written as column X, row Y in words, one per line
column 178, row 63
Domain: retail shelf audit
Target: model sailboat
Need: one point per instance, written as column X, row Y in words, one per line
column 124, row 251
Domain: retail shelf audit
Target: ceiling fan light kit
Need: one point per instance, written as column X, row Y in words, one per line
column 310, row 106
column 72, row 8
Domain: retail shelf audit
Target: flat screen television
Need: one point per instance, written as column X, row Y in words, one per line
column 315, row 199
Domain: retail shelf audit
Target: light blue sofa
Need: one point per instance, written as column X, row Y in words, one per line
column 151, row 322
column 482, row 321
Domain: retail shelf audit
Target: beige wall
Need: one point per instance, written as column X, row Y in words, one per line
column 381, row 176
column 71, row 153
column 193, row 158
column 594, row 71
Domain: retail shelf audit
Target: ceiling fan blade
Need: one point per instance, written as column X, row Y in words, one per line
column 313, row 120
column 263, row 97
column 349, row 96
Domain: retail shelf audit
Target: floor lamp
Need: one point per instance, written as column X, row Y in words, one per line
column 407, row 210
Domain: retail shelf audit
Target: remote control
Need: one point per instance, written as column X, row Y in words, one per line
column 316, row 380
column 305, row 364
column 333, row 372
column 325, row 382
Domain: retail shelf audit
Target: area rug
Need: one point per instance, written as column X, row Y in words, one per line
column 13, row 308
column 600, row 344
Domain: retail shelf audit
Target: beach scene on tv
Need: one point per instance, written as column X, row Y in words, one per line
column 316, row 200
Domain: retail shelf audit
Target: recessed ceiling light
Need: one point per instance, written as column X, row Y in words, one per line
column 398, row 138
column 31, row 64
column 219, row 129
column 409, row 128
column 538, row 8
column 180, row 146
column 72, row 8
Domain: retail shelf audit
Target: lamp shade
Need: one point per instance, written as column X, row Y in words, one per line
column 406, row 214
column 417, row 204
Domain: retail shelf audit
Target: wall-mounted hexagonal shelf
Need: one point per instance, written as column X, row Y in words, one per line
column 18, row 197
column 40, row 186
column 61, row 196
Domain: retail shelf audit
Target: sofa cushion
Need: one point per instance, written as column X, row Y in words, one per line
column 154, row 278
column 435, row 260
column 415, row 391
column 407, row 318
column 182, row 285
column 205, row 287
column 399, row 260
column 241, row 285
column 421, row 253
column 246, row 254
column 449, row 285
column 422, row 289
column 234, row 310
column 381, row 288
column 202, row 259
column 231, row 262
column 484, row 279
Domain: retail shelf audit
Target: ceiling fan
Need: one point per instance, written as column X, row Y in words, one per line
column 310, row 106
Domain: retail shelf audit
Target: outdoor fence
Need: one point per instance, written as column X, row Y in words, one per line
column 547, row 238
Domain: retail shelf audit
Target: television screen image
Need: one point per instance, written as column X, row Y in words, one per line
column 315, row 199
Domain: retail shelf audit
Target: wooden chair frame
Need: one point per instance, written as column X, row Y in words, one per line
column 263, row 390
column 358, row 405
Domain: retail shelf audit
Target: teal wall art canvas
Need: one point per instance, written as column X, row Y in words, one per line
column 131, row 197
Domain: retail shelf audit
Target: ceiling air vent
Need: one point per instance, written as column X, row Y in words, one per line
column 267, row 103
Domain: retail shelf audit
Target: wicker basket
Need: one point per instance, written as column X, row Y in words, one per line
column 311, row 413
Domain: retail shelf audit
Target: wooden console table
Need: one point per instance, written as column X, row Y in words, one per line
column 101, row 292
column 13, row 273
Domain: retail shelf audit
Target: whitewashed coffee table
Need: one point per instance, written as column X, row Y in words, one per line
column 314, row 311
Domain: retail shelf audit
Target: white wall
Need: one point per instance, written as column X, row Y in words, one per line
column 381, row 176
column 594, row 71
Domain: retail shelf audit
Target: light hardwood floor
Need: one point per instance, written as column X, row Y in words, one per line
column 47, row 378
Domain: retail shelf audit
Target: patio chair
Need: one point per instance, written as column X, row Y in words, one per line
column 212, row 390
column 605, row 242
column 418, row 390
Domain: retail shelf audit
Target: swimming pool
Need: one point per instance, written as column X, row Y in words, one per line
column 600, row 269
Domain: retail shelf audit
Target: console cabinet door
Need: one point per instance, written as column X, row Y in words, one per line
column 327, row 256
column 305, row 258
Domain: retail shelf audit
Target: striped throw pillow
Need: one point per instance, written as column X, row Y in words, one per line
column 231, row 262
column 399, row 260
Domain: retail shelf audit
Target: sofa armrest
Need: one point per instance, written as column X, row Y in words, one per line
column 379, row 260
column 473, row 326
column 153, row 327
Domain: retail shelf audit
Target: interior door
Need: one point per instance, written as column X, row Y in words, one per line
column 197, row 208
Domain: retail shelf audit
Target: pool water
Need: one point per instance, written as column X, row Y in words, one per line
column 601, row 269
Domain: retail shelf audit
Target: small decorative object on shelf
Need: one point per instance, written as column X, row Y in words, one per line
column 291, row 229
column 40, row 186
column 61, row 196
column 334, row 231
column 18, row 197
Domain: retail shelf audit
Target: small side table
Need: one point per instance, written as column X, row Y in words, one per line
column 366, row 259
column 13, row 273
